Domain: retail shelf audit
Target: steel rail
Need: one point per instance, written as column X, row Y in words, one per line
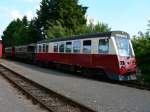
column 49, row 99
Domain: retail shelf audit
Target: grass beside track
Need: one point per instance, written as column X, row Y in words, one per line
column 144, row 79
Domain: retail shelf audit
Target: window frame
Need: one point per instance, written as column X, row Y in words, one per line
column 76, row 48
column 31, row 49
column 44, row 48
column 62, row 43
column 103, row 52
column 85, row 50
column 47, row 48
column 70, row 48
column 57, row 49
column 40, row 48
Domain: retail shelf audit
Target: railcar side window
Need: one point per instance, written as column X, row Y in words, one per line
column 46, row 48
column 68, row 47
column 76, row 46
column 55, row 47
column 87, row 46
column 40, row 48
column 103, row 46
column 61, row 47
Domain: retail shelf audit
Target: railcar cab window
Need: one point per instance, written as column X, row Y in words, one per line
column 61, row 47
column 55, row 47
column 103, row 46
column 76, row 46
column 124, row 47
column 68, row 47
column 87, row 46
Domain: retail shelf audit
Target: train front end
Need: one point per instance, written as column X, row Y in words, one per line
column 126, row 57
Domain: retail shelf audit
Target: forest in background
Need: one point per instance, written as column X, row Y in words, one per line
column 141, row 45
column 65, row 18
column 55, row 19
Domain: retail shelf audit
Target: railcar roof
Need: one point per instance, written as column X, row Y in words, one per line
column 93, row 35
column 33, row 44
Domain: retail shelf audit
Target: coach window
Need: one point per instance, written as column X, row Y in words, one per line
column 55, row 47
column 68, row 47
column 76, row 46
column 87, row 46
column 103, row 46
column 61, row 47
column 30, row 48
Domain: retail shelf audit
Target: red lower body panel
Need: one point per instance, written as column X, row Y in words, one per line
column 106, row 62
column 109, row 63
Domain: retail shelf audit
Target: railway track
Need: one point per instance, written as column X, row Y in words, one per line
column 137, row 85
column 132, row 84
column 47, row 98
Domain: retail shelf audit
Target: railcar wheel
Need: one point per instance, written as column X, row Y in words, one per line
column 73, row 69
column 87, row 72
column 100, row 74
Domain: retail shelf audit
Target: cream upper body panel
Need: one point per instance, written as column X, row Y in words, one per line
column 50, row 47
column 94, row 45
column 112, row 46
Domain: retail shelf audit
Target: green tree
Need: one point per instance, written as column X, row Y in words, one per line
column 56, row 30
column 34, row 32
column 91, row 28
column 20, row 32
column 56, row 18
column 148, row 26
column 69, row 13
column 141, row 44
column 11, row 33
column 46, row 13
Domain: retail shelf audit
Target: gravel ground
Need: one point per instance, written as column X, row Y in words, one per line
column 101, row 96
column 12, row 100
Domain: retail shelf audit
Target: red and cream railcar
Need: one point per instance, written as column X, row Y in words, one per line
column 111, row 52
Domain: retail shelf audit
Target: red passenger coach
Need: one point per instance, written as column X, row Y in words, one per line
column 1, row 49
column 110, row 52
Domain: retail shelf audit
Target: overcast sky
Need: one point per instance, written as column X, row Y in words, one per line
column 127, row 15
